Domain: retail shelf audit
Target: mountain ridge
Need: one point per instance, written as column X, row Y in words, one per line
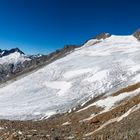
column 8, row 52
column 61, row 76
column 89, row 92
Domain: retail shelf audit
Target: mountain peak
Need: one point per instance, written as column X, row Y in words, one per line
column 7, row 52
column 16, row 50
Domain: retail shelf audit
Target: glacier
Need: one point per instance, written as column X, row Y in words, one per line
column 99, row 67
column 13, row 58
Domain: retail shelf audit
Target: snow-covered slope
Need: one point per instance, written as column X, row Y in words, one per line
column 13, row 58
column 92, row 70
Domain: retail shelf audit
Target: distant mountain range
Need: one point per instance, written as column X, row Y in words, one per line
column 8, row 52
column 15, row 62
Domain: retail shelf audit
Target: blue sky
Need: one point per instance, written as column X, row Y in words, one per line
column 42, row 26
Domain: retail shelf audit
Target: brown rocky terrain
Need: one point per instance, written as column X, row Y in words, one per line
column 89, row 122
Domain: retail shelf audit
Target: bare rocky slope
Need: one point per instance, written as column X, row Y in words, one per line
column 112, row 115
column 86, row 123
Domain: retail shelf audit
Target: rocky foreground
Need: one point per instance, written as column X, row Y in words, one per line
column 89, row 122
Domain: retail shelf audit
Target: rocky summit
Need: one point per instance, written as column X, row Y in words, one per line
column 8, row 52
column 85, row 92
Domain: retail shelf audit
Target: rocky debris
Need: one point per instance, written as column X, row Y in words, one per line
column 128, row 129
column 13, row 136
column 102, row 126
column 137, row 34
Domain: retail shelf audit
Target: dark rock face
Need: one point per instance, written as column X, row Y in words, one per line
column 102, row 36
column 7, row 52
column 137, row 34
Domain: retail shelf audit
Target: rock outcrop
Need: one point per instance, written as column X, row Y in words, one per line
column 137, row 34
column 7, row 52
column 103, row 36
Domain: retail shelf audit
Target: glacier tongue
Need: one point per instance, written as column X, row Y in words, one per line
column 89, row 71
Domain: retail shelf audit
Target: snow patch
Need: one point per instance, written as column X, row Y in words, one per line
column 133, row 109
column 117, row 119
column 1, row 128
column 66, row 123
column 19, row 132
column 110, row 101
column 89, row 118
column 48, row 114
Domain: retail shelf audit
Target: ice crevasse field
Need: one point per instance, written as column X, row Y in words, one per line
column 89, row 71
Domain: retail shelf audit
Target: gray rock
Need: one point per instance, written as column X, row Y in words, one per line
column 103, row 36
column 137, row 34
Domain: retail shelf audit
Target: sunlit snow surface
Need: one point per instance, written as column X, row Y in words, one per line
column 89, row 71
column 13, row 58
